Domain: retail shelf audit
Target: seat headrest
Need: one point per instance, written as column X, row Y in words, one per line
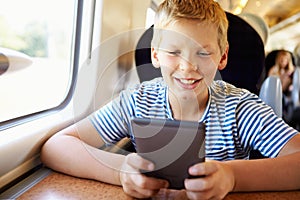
column 271, row 94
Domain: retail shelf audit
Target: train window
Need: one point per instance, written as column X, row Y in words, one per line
column 35, row 55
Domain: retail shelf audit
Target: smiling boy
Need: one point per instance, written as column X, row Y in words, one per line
column 189, row 46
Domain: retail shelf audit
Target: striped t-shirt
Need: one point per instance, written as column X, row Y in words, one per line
column 236, row 120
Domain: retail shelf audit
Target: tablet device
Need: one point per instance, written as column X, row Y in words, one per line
column 173, row 146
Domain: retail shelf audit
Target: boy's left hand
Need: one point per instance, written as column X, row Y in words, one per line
column 217, row 180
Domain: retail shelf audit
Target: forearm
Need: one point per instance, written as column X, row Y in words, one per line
column 282, row 173
column 81, row 160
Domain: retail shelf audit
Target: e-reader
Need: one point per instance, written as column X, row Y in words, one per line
column 172, row 145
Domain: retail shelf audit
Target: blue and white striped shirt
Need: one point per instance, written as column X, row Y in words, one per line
column 236, row 120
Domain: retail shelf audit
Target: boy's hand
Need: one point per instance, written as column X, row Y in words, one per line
column 136, row 184
column 217, row 181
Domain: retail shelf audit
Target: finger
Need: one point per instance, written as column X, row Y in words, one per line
column 133, row 192
column 208, row 195
column 142, row 186
column 199, row 184
column 203, row 169
column 170, row 194
column 132, row 176
column 143, row 193
column 131, row 186
column 138, row 162
column 146, row 182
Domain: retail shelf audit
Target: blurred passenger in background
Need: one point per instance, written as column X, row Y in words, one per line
column 284, row 69
column 281, row 63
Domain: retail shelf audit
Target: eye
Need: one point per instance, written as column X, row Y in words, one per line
column 203, row 53
column 173, row 53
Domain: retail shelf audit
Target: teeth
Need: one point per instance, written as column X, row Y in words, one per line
column 187, row 81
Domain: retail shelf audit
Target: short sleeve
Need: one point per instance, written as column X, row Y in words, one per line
column 111, row 121
column 260, row 128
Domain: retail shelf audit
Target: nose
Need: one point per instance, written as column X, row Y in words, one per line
column 187, row 65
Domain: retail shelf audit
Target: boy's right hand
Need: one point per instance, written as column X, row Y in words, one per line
column 136, row 184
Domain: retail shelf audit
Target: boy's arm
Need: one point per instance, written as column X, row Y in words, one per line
column 74, row 151
column 280, row 173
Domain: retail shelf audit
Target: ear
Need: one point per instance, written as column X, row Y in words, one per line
column 224, row 59
column 154, row 57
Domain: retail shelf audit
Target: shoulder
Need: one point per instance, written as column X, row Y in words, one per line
column 148, row 93
column 227, row 95
column 148, row 99
column 155, row 83
column 222, row 88
column 148, row 88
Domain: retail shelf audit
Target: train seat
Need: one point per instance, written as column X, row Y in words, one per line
column 271, row 93
column 296, row 88
column 294, row 111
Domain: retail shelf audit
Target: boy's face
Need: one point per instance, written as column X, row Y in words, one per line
column 189, row 56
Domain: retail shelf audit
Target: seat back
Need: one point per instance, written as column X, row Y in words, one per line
column 145, row 70
column 296, row 88
column 271, row 93
column 294, row 110
column 245, row 58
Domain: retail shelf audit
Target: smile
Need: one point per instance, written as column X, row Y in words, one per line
column 188, row 82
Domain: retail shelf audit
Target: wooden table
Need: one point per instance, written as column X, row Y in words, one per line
column 60, row 186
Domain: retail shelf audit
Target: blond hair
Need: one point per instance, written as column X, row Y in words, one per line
column 209, row 11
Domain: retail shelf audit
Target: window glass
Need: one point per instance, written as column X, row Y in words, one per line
column 35, row 55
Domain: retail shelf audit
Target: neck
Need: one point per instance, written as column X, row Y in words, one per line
column 188, row 109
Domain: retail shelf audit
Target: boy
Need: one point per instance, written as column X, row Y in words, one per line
column 189, row 45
